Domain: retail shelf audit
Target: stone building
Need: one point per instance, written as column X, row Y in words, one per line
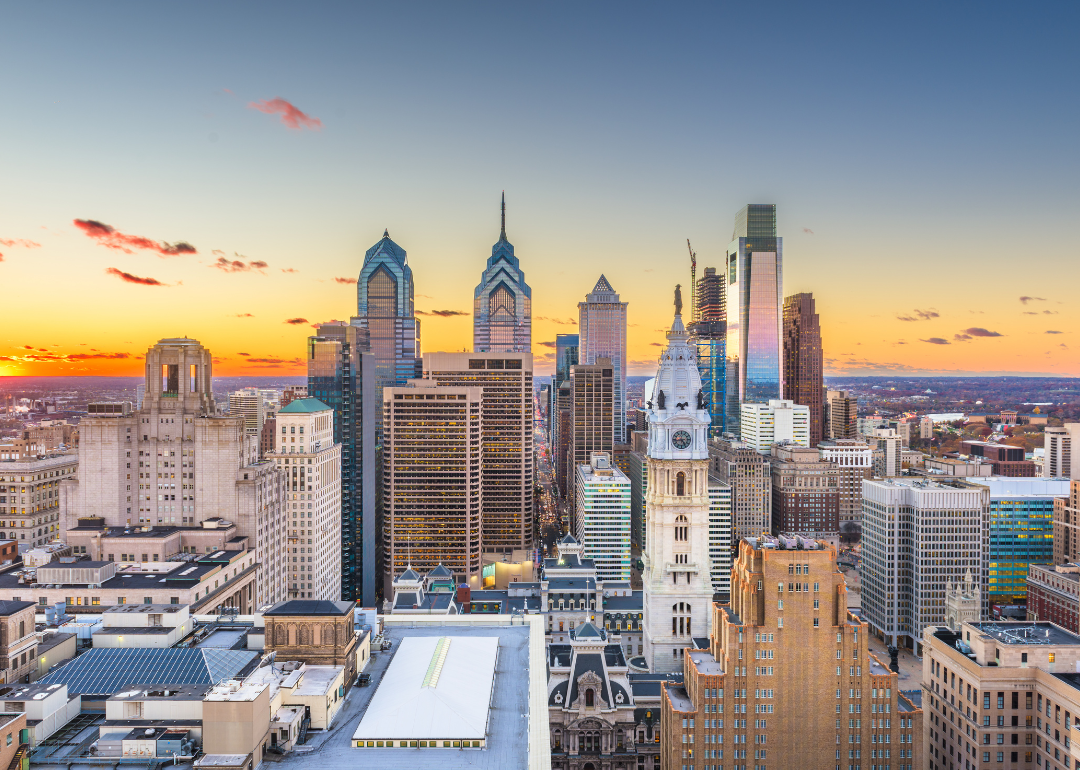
column 315, row 632
column 18, row 642
column 30, row 497
column 805, row 494
column 963, row 603
column 1067, row 526
column 175, row 462
column 763, row 691
column 747, row 472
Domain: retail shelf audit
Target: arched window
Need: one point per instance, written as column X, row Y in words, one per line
column 680, row 484
column 589, row 698
column 680, row 619
column 682, row 528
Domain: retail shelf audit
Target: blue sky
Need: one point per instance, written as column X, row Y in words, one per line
column 922, row 156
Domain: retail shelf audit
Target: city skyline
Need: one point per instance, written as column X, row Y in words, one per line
column 274, row 164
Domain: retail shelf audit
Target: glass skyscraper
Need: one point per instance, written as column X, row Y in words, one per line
column 341, row 374
column 602, row 333
column 708, row 331
column 566, row 355
column 502, row 302
column 384, row 307
column 755, row 297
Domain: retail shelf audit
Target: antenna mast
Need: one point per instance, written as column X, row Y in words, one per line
column 693, row 282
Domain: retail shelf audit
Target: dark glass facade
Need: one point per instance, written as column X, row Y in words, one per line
column 708, row 333
column 566, row 355
column 804, row 381
column 341, row 374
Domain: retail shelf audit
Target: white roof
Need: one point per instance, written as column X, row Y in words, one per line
column 456, row 707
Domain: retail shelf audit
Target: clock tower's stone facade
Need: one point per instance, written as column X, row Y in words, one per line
column 677, row 582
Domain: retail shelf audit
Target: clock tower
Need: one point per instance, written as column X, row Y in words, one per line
column 677, row 575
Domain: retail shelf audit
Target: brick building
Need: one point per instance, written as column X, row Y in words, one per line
column 1006, row 460
column 805, row 494
column 1053, row 595
column 763, row 692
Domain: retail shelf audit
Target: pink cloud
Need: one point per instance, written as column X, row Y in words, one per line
column 290, row 115
column 109, row 237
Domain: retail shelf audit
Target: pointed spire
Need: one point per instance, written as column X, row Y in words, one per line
column 386, row 233
column 502, row 234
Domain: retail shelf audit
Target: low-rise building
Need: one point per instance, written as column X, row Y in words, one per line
column 1053, row 594
column 143, row 625
column 774, row 422
column 30, row 497
column 315, row 632
column 48, row 707
column 18, row 642
column 1012, row 688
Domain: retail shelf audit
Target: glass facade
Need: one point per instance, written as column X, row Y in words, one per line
column 341, row 375
column 566, row 355
column 602, row 333
column 384, row 307
column 754, row 309
column 1021, row 533
column 804, row 381
column 709, row 335
column 502, row 302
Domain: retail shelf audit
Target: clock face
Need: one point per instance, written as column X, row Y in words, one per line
column 680, row 439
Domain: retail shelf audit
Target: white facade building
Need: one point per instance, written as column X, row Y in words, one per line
column 1058, row 457
column 304, row 450
column 918, row 537
column 778, row 420
column 720, row 534
column 248, row 403
column 603, row 516
column 888, row 451
column 677, row 573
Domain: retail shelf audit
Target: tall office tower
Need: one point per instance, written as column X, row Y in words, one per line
column 507, row 473
column 804, row 377
column 603, row 516
column 1058, row 462
column 677, row 574
column 1021, row 532
column 887, row 448
column 747, row 471
column 564, row 411
column 709, row 334
column 502, row 302
column 773, row 658
column 602, row 334
column 775, row 422
column 176, row 463
column 592, row 402
column 1025, row 677
column 384, row 307
column 566, row 355
column 918, row 536
column 341, row 374
column 805, row 494
column 926, row 427
column 755, row 295
column 1067, row 526
column 853, row 460
column 432, row 498
column 248, row 404
column 841, row 414
column 305, row 451
column 720, row 535
column 639, row 488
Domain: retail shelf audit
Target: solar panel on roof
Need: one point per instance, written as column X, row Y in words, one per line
column 109, row 670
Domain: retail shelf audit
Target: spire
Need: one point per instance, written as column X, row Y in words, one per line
column 502, row 234
column 386, row 233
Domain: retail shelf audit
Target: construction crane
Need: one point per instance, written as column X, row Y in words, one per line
column 693, row 282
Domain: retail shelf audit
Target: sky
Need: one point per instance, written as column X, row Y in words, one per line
column 218, row 170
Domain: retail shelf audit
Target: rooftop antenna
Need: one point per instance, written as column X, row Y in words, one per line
column 693, row 282
column 502, row 235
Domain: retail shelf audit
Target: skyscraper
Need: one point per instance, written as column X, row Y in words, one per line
column 566, row 355
column 602, row 513
column 341, row 374
column 602, row 330
column 502, row 302
column 507, row 472
column 804, row 378
column 841, row 414
column 591, row 401
column 176, row 464
column 708, row 332
column 248, row 403
column 384, row 307
column 755, row 293
column 677, row 575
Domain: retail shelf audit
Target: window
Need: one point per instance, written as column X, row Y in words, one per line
column 680, row 484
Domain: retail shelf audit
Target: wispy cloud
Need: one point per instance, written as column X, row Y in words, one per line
column 808, row 231
column 291, row 116
column 936, row 341
column 129, row 278
column 296, row 321
column 567, row 322
column 441, row 313
column 1026, row 300
column 920, row 315
column 962, row 337
column 111, row 238
column 1053, row 331
column 244, row 315
column 344, row 280
column 289, row 270
column 547, row 344
column 978, row 331
column 19, row 242
column 239, row 266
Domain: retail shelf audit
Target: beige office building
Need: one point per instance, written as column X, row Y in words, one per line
column 841, row 414
column 747, row 472
column 853, row 460
column 248, row 403
column 30, row 497
column 306, row 453
column 1001, row 695
column 786, row 680
column 432, row 491
column 507, row 473
column 174, row 462
column 592, row 394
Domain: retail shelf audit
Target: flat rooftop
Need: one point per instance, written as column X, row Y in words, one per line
column 1023, row 632
column 437, row 687
column 705, row 663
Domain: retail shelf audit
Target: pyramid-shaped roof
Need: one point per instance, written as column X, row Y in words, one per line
column 440, row 571
column 602, row 285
